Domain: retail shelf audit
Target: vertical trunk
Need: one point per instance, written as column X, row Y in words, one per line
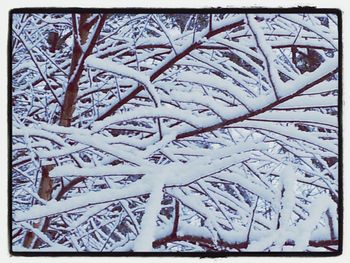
column 74, row 74
column 331, row 225
column 45, row 193
column 77, row 66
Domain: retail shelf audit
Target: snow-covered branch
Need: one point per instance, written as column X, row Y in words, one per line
column 175, row 132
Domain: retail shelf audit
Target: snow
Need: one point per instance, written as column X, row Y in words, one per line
column 235, row 76
column 268, row 54
column 145, row 239
column 42, row 236
column 307, row 78
column 167, row 32
column 292, row 132
column 306, row 117
column 178, row 174
column 92, row 211
column 311, row 27
column 53, row 207
column 305, row 228
column 162, row 111
column 177, row 118
column 237, row 178
column 288, row 180
column 120, row 69
column 309, row 102
column 106, row 170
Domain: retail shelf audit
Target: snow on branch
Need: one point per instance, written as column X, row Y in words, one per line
column 178, row 132
column 267, row 53
column 120, row 69
column 145, row 239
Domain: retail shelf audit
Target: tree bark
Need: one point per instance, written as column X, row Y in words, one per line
column 45, row 193
column 77, row 66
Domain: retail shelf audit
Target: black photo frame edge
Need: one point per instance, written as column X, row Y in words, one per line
column 299, row 9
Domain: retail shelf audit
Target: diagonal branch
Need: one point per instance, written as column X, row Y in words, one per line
column 77, row 67
column 257, row 112
column 266, row 52
column 168, row 65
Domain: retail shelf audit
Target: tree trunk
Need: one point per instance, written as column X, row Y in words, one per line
column 77, row 66
column 73, row 81
column 45, row 193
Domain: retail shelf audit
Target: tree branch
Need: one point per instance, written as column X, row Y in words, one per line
column 257, row 112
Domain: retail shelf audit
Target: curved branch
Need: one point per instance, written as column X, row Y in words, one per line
column 166, row 66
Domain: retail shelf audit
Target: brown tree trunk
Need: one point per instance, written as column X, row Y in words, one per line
column 45, row 193
column 77, row 66
column 73, row 81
